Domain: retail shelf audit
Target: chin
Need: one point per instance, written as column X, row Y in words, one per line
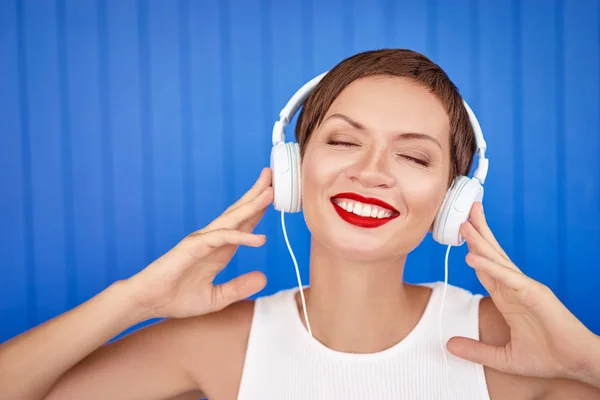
column 351, row 242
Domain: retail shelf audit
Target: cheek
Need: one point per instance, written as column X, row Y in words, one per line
column 314, row 176
column 319, row 172
column 424, row 197
column 310, row 178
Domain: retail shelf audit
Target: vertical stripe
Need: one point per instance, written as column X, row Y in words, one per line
column 389, row 13
column 66, row 156
column 561, row 186
column 106, row 129
column 432, row 29
column 307, row 39
column 539, row 249
column 13, row 273
column 475, row 55
column 226, row 89
column 26, row 167
column 518, row 132
column 496, row 110
column 146, row 126
column 165, row 79
column 227, row 111
column 267, row 57
column 185, row 79
column 581, row 124
column 348, row 27
column 46, row 161
column 125, row 182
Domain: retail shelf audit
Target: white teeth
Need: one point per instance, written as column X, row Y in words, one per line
column 357, row 209
column 364, row 210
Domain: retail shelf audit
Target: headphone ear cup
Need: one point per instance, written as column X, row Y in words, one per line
column 287, row 185
column 455, row 210
column 295, row 167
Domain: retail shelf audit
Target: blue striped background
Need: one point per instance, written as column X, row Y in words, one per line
column 125, row 125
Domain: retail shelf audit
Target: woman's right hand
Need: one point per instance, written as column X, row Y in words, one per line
column 179, row 284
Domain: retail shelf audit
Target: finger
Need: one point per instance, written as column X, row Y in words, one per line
column 222, row 237
column 237, row 289
column 489, row 283
column 478, row 352
column 262, row 182
column 198, row 245
column 249, row 211
column 478, row 245
column 250, row 223
column 505, row 275
column 479, row 221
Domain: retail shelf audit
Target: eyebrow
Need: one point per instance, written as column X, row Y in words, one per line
column 404, row 135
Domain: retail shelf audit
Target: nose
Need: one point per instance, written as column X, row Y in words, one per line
column 372, row 169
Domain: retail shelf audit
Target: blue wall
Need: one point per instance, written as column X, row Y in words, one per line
column 126, row 125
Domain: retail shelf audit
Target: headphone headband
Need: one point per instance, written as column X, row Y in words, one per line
column 294, row 103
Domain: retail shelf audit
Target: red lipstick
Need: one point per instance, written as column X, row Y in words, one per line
column 363, row 222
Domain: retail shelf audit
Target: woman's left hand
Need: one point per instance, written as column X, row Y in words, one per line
column 546, row 339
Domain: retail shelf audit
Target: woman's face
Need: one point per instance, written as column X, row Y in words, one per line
column 383, row 139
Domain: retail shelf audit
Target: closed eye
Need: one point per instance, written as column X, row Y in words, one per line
column 415, row 160
column 340, row 143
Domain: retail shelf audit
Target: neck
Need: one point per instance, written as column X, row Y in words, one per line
column 360, row 307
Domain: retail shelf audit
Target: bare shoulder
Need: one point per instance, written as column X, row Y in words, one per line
column 174, row 358
column 210, row 348
column 494, row 330
column 218, row 351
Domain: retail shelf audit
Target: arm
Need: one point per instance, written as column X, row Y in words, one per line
column 151, row 363
column 544, row 340
column 172, row 359
column 584, row 381
column 560, row 389
column 47, row 352
column 495, row 331
column 589, row 372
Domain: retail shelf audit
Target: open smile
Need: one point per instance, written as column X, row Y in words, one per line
column 365, row 212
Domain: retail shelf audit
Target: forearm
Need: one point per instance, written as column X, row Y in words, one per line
column 583, row 381
column 587, row 369
column 592, row 374
column 31, row 363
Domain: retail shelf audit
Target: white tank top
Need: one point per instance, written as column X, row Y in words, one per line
column 284, row 362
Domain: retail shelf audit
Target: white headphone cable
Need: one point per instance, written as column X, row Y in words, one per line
column 297, row 273
column 287, row 242
column 442, row 343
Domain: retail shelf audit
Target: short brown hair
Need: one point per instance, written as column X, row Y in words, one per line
column 401, row 63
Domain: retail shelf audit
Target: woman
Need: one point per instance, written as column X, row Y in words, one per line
column 385, row 124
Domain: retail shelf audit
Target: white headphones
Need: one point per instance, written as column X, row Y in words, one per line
column 287, row 185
